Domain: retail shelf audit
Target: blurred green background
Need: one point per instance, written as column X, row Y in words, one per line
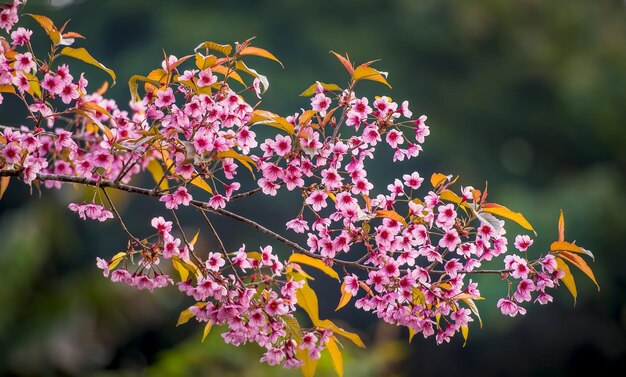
column 528, row 95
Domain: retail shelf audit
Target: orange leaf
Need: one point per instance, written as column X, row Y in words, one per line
column 313, row 262
column 437, row 179
column 573, row 248
column 4, row 183
column 568, row 279
column 561, row 227
column 224, row 49
column 581, row 264
column 250, row 50
column 346, row 63
column 48, row 26
column 345, row 297
column 391, row 214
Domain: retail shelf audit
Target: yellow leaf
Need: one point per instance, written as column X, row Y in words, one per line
column 345, row 297
column 317, row 263
column 470, row 303
column 307, row 300
column 270, row 119
column 309, row 367
column 133, row 84
column 104, row 129
column 204, row 62
column 411, row 334
column 328, row 324
column 83, row 55
column 117, row 258
column 4, row 183
column 502, row 211
column 335, row 355
column 369, row 73
column 186, row 314
column 156, row 170
column 48, row 26
column 293, row 327
column 311, row 89
column 246, row 161
column 241, row 66
column 581, row 264
column 194, row 239
column 254, row 255
column 184, row 268
column 465, row 332
column 391, row 214
column 568, row 279
column 201, row 183
column 573, row 248
column 450, row 196
column 437, row 179
column 207, row 330
column 91, row 106
column 33, row 83
column 7, row 89
column 224, row 49
column 345, row 61
column 250, row 50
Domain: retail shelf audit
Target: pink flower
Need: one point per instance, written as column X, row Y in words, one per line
column 103, row 265
column 450, row 240
column 510, row 308
column 163, row 227
column 317, row 200
column 165, row 98
column 320, row 103
column 25, row 62
column 298, row 225
column 21, row 36
column 351, row 284
column 413, row 180
column 524, row 289
column 331, row 179
column 452, row 267
column 214, row 262
column 393, row 138
column 273, row 356
column 206, row 78
column 523, row 242
column 421, row 130
column 518, row 265
column 282, row 145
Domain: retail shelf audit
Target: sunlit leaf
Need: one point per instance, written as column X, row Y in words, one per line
column 345, row 297
column 568, row 278
column 581, row 264
column 328, row 324
column 117, row 258
column 33, row 83
column 207, row 330
column 133, row 85
column 391, row 214
column 561, row 227
column 268, row 118
column 195, row 238
column 311, row 89
column 104, row 129
column 369, row 73
column 204, row 62
column 313, row 262
column 184, row 268
column 186, row 314
column 335, row 355
column 438, row 179
column 465, row 332
column 227, row 72
column 85, row 56
column 470, row 303
column 293, row 327
column 256, row 51
column 307, row 300
column 265, row 84
column 502, row 211
column 450, row 196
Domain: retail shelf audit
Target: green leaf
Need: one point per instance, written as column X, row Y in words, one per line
column 85, row 56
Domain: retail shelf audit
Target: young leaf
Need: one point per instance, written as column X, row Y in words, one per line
column 581, row 264
column 207, row 330
column 156, row 170
column 85, row 56
column 293, row 327
column 335, row 355
column 250, row 50
column 369, row 73
column 391, row 214
column 345, row 297
column 568, row 279
column 228, row 72
column 317, row 263
column 561, row 227
column 345, row 61
column 48, row 26
column 307, row 300
column 502, row 211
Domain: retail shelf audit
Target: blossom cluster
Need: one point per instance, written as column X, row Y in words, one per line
column 407, row 251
